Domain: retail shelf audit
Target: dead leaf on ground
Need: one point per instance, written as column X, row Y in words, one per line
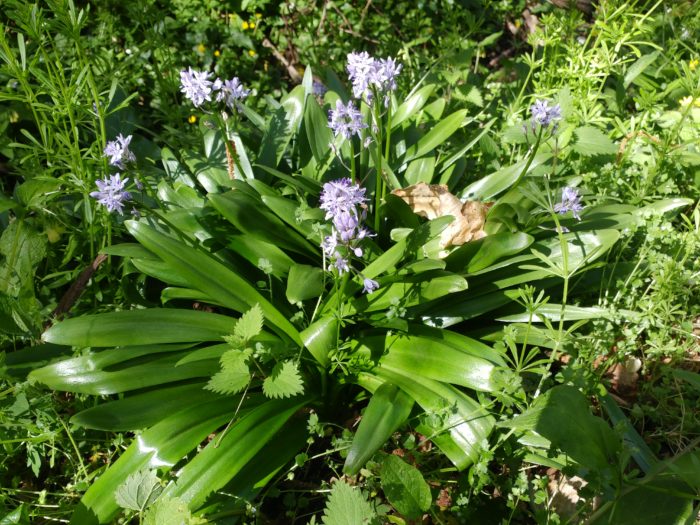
column 435, row 200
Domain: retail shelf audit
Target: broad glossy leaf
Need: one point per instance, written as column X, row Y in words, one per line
column 129, row 249
column 160, row 270
column 161, row 446
column 414, row 289
column 80, row 374
column 491, row 185
column 387, row 410
column 454, row 422
column 305, row 282
column 412, row 105
column 478, row 255
column 458, row 341
column 251, row 217
column 144, row 409
column 281, row 127
column 286, row 209
column 260, row 253
column 317, row 131
column 411, row 354
column 172, row 293
column 320, row 337
column 420, row 170
column 140, row 327
column 224, row 457
column 436, row 136
column 211, row 277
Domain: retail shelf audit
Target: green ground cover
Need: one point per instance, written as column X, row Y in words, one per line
column 344, row 263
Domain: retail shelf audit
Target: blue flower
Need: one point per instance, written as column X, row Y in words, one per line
column 196, row 86
column 111, row 193
column 345, row 120
column 231, row 92
column 366, row 72
column 570, row 202
column 544, row 114
column 370, row 285
column 344, row 204
column 118, row 151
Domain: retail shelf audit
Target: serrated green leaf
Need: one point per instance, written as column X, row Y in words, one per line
column 139, row 490
column 283, row 381
column 250, row 324
column 234, row 374
column 347, row 506
column 591, row 141
column 404, row 487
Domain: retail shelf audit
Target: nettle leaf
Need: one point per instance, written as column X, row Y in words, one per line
column 591, row 141
column 283, row 381
column 250, row 324
column 404, row 487
column 139, row 491
column 347, row 506
column 168, row 511
column 234, row 374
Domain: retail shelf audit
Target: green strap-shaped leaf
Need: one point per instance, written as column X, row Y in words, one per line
column 320, row 337
column 143, row 410
column 436, row 136
column 253, row 218
column 488, row 187
column 140, row 327
column 412, row 105
column 317, row 131
column 408, row 355
column 66, row 376
column 387, row 410
column 453, row 421
column 161, row 446
column 223, row 458
column 281, row 127
column 211, row 277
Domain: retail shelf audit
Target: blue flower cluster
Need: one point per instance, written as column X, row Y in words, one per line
column 112, row 194
column 198, row 87
column 346, row 119
column 368, row 75
column 344, row 204
column 570, row 202
column 118, row 151
column 366, row 72
column 544, row 114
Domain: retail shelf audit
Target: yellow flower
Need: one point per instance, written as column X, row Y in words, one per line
column 201, row 48
column 245, row 25
column 693, row 64
column 192, row 119
column 251, row 52
column 217, row 53
column 252, row 25
column 258, row 15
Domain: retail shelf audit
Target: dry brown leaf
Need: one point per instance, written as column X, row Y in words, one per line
column 435, row 200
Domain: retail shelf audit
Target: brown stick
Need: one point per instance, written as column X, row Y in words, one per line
column 75, row 291
column 291, row 70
